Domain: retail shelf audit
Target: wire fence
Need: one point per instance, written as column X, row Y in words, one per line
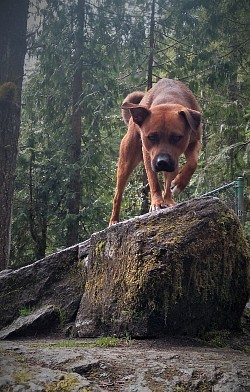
column 233, row 195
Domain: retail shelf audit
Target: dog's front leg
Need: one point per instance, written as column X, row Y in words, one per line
column 167, row 195
column 157, row 201
column 182, row 179
column 130, row 157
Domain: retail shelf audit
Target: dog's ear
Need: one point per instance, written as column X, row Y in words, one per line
column 138, row 113
column 193, row 117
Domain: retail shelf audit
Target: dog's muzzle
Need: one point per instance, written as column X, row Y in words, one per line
column 163, row 162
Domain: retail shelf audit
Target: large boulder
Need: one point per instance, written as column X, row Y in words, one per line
column 41, row 321
column 56, row 280
column 181, row 270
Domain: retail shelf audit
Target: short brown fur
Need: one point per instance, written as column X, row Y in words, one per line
column 162, row 124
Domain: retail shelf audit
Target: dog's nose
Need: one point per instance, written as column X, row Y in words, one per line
column 164, row 162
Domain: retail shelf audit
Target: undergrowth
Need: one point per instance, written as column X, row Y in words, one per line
column 104, row 342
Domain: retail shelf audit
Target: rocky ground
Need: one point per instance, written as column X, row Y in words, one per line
column 175, row 365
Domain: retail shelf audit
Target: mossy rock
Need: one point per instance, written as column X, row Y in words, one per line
column 56, row 280
column 181, row 270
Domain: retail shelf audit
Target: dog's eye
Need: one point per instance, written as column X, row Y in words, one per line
column 175, row 138
column 153, row 138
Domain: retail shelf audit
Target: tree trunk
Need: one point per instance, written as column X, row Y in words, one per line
column 38, row 231
column 145, row 186
column 74, row 195
column 151, row 46
column 234, row 135
column 13, row 27
column 9, row 132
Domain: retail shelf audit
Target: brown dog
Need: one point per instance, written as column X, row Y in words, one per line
column 162, row 124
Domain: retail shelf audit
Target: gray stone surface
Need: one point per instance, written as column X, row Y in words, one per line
column 137, row 366
column 56, row 280
column 43, row 321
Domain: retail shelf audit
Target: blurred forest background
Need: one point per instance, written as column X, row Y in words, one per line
column 83, row 58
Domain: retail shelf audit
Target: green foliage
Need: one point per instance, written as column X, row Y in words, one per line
column 26, row 311
column 195, row 41
column 105, row 341
column 217, row 338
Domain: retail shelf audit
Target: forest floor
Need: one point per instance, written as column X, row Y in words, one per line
column 222, row 363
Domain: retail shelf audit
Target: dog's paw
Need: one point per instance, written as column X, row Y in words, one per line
column 164, row 204
column 169, row 202
column 157, row 206
column 175, row 190
column 113, row 222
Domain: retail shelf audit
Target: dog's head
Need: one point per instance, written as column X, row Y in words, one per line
column 166, row 131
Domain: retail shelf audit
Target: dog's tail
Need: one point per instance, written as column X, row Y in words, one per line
column 134, row 97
